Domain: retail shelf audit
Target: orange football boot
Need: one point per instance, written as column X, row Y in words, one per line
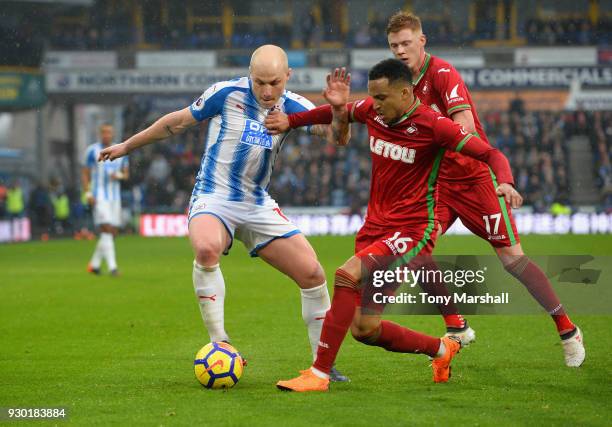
column 92, row 270
column 307, row 381
column 441, row 365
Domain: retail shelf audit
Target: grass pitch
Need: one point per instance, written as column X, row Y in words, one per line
column 119, row 351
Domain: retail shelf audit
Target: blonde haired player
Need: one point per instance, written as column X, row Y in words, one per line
column 466, row 188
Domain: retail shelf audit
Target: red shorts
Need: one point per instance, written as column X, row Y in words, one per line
column 480, row 210
column 396, row 241
column 413, row 243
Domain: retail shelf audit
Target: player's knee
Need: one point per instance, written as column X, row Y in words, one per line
column 350, row 270
column 312, row 275
column 317, row 275
column 344, row 278
column 207, row 254
column 515, row 265
column 365, row 332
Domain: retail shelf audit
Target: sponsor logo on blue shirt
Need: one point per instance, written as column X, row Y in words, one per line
column 255, row 133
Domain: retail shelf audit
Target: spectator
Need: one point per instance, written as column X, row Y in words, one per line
column 517, row 105
column 61, row 211
column 40, row 209
column 15, row 202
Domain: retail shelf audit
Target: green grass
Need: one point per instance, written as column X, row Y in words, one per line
column 119, row 351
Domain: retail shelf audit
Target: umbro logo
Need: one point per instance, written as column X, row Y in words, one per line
column 444, row 70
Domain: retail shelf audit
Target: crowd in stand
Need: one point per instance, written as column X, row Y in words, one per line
column 104, row 34
column 568, row 32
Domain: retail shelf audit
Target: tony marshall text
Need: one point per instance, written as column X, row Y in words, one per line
column 425, row 298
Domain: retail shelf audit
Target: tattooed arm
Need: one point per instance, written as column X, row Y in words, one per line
column 333, row 133
column 337, row 94
column 319, row 130
column 171, row 124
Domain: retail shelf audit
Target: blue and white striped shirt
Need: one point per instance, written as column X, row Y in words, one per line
column 240, row 154
column 102, row 186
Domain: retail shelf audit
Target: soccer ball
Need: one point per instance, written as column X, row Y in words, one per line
column 218, row 365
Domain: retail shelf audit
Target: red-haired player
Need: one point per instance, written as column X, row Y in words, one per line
column 466, row 188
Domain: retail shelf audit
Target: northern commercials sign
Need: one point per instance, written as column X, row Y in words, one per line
column 310, row 79
column 164, row 81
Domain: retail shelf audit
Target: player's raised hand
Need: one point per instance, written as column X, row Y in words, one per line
column 276, row 122
column 510, row 194
column 338, row 87
column 113, row 152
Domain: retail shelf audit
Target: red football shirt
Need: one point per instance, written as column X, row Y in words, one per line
column 440, row 86
column 406, row 157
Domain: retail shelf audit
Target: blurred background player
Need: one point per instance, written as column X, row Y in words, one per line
column 405, row 165
column 102, row 183
column 230, row 197
column 466, row 187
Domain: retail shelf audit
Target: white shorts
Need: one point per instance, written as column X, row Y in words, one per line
column 255, row 226
column 107, row 212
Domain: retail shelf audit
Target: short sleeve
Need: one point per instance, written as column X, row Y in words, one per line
column 90, row 157
column 358, row 110
column 296, row 104
column 452, row 90
column 210, row 103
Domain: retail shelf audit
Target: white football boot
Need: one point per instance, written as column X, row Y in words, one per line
column 466, row 335
column 573, row 349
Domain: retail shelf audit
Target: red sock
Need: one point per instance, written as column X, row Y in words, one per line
column 563, row 323
column 337, row 321
column 394, row 337
column 538, row 285
column 454, row 321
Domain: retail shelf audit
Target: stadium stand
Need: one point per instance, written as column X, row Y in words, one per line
column 547, row 149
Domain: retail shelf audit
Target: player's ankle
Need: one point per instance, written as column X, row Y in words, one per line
column 454, row 321
column 441, row 350
column 319, row 373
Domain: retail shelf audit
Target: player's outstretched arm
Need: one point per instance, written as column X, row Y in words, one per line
column 337, row 90
column 337, row 94
column 277, row 122
column 171, row 124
